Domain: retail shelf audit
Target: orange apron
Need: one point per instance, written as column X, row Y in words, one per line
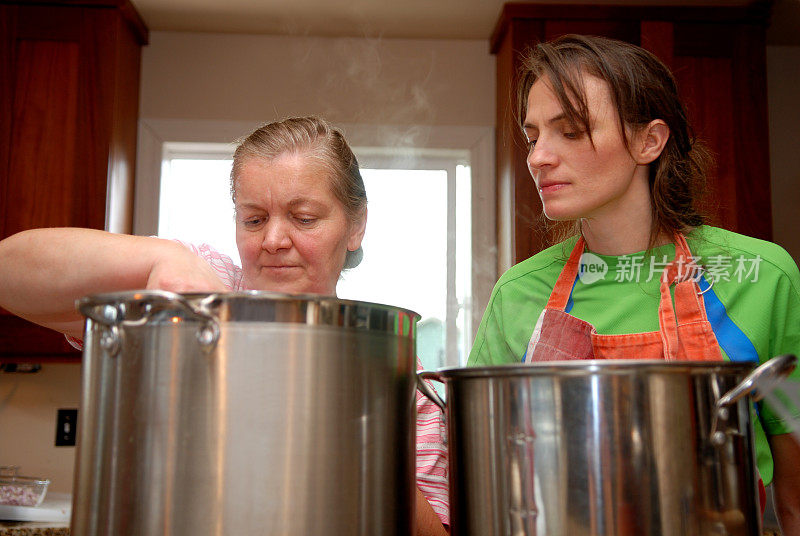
column 684, row 330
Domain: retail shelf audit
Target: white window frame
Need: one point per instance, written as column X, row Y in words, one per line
column 161, row 139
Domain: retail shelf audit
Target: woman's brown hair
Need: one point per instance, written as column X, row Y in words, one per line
column 316, row 139
column 642, row 89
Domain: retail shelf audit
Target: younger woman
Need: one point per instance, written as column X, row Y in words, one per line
column 610, row 149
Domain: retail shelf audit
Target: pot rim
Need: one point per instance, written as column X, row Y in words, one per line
column 596, row 367
column 241, row 295
column 137, row 307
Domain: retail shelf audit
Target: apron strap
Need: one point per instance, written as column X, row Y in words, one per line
column 667, row 323
column 687, row 290
column 566, row 279
column 682, row 267
column 689, row 309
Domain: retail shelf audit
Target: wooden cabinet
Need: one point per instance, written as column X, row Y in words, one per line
column 718, row 56
column 69, row 92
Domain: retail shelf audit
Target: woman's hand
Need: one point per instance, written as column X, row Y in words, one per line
column 177, row 269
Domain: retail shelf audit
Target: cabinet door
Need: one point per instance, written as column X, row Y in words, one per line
column 718, row 58
column 721, row 73
column 60, row 91
column 69, row 96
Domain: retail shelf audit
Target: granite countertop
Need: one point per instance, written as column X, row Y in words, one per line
column 28, row 528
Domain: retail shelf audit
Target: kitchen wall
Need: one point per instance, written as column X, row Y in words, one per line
column 397, row 84
column 28, row 405
column 361, row 81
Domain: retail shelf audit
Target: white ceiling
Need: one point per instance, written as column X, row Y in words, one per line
column 437, row 19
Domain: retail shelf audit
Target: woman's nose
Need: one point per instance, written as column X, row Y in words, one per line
column 276, row 236
column 540, row 156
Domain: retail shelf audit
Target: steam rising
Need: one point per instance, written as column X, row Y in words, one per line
column 391, row 88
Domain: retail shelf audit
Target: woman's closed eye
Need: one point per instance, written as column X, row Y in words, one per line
column 573, row 134
column 305, row 219
column 254, row 222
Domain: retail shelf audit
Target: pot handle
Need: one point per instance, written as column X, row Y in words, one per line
column 761, row 381
column 107, row 312
column 426, row 390
column 757, row 384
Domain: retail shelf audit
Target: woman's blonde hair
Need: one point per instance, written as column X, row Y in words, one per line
column 315, row 139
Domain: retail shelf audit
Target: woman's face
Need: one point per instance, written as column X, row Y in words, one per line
column 292, row 232
column 575, row 179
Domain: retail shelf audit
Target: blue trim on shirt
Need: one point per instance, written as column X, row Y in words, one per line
column 732, row 339
column 570, row 301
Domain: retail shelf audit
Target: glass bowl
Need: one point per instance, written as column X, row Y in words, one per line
column 22, row 490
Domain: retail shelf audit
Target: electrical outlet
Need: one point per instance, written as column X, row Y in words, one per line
column 66, row 427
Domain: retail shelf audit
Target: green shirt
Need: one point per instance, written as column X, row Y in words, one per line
column 753, row 304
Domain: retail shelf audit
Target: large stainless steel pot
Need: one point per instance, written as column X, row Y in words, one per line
column 603, row 448
column 245, row 413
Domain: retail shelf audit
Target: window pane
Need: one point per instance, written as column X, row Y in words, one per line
column 405, row 251
column 196, row 204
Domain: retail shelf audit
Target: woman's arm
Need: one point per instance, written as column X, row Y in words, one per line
column 43, row 271
column 427, row 522
column 786, row 457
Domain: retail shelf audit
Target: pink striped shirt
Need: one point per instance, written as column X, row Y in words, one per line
column 431, row 452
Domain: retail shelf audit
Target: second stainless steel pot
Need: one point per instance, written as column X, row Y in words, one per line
column 601, row 448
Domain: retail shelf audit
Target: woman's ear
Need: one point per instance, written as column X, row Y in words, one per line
column 357, row 232
column 651, row 141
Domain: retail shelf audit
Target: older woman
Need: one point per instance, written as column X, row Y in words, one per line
column 301, row 211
